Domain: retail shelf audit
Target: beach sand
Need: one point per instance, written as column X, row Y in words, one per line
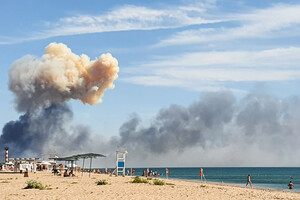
column 12, row 187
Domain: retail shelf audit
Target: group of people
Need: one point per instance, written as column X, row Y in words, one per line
column 290, row 185
column 62, row 171
column 150, row 173
column 69, row 173
column 105, row 171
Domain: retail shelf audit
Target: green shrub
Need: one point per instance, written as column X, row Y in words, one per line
column 102, row 182
column 32, row 184
column 202, row 185
column 158, row 182
column 5, row 181
column 149, row 178
column 138, row 179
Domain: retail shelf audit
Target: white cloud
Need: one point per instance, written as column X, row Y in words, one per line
column 279, row 57
column 124, row 18
column 210, row 70
column 130, row 18
column 280, row 20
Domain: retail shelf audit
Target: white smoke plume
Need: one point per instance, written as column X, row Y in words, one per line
column 60, row 75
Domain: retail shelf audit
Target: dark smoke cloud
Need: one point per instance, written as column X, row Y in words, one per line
column 178, row 127
column 230, row 131
column 47, row 129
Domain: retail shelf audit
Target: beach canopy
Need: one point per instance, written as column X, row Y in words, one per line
column 80, row 156
column 69, row 158
column 90, row 155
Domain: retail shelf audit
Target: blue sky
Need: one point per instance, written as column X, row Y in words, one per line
column 169, row 52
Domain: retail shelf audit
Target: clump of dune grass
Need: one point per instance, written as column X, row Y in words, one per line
column 202, row 185
column 149, row 178
column 138, row 179
column 74, row 182
column 158, row 182
column 5, row 181
column 32, row 184
column 102, row 182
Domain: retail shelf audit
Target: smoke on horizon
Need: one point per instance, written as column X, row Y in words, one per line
column 48, row 129
column 218, row 130
column 42, row 86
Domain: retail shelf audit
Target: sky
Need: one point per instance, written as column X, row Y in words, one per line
column 200, row 83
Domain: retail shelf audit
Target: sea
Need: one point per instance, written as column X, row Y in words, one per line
column 261, row 177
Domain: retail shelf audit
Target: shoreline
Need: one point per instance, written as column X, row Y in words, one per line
column 234, row 185
column 228, row 184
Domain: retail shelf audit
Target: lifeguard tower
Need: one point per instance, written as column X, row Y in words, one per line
column 120, row 162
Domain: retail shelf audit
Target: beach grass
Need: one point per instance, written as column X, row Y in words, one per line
column 158, row 182
column 138, row 179
column 32, row 184
column 102, row 182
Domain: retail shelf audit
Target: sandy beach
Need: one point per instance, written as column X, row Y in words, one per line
column 78, row 187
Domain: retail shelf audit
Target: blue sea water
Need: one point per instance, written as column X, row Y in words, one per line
column 262, row 177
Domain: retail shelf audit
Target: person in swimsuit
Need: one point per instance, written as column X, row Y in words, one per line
column 249, row 181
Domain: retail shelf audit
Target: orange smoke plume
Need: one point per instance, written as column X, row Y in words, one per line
column 60, row 75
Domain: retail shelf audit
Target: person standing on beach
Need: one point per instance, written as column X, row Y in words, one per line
column 249, row 181
column 202, row 177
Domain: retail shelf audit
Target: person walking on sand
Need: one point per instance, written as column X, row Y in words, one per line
column 249, row 181
column 291, row 185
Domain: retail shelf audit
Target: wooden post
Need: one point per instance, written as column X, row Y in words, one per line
column 90, row 167
column 82, row 167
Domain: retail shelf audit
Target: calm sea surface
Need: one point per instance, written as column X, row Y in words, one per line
column 264, row 177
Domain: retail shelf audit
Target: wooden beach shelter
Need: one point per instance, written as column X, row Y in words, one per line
column 69, row 159
column 91, row 156
column 80, row 156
